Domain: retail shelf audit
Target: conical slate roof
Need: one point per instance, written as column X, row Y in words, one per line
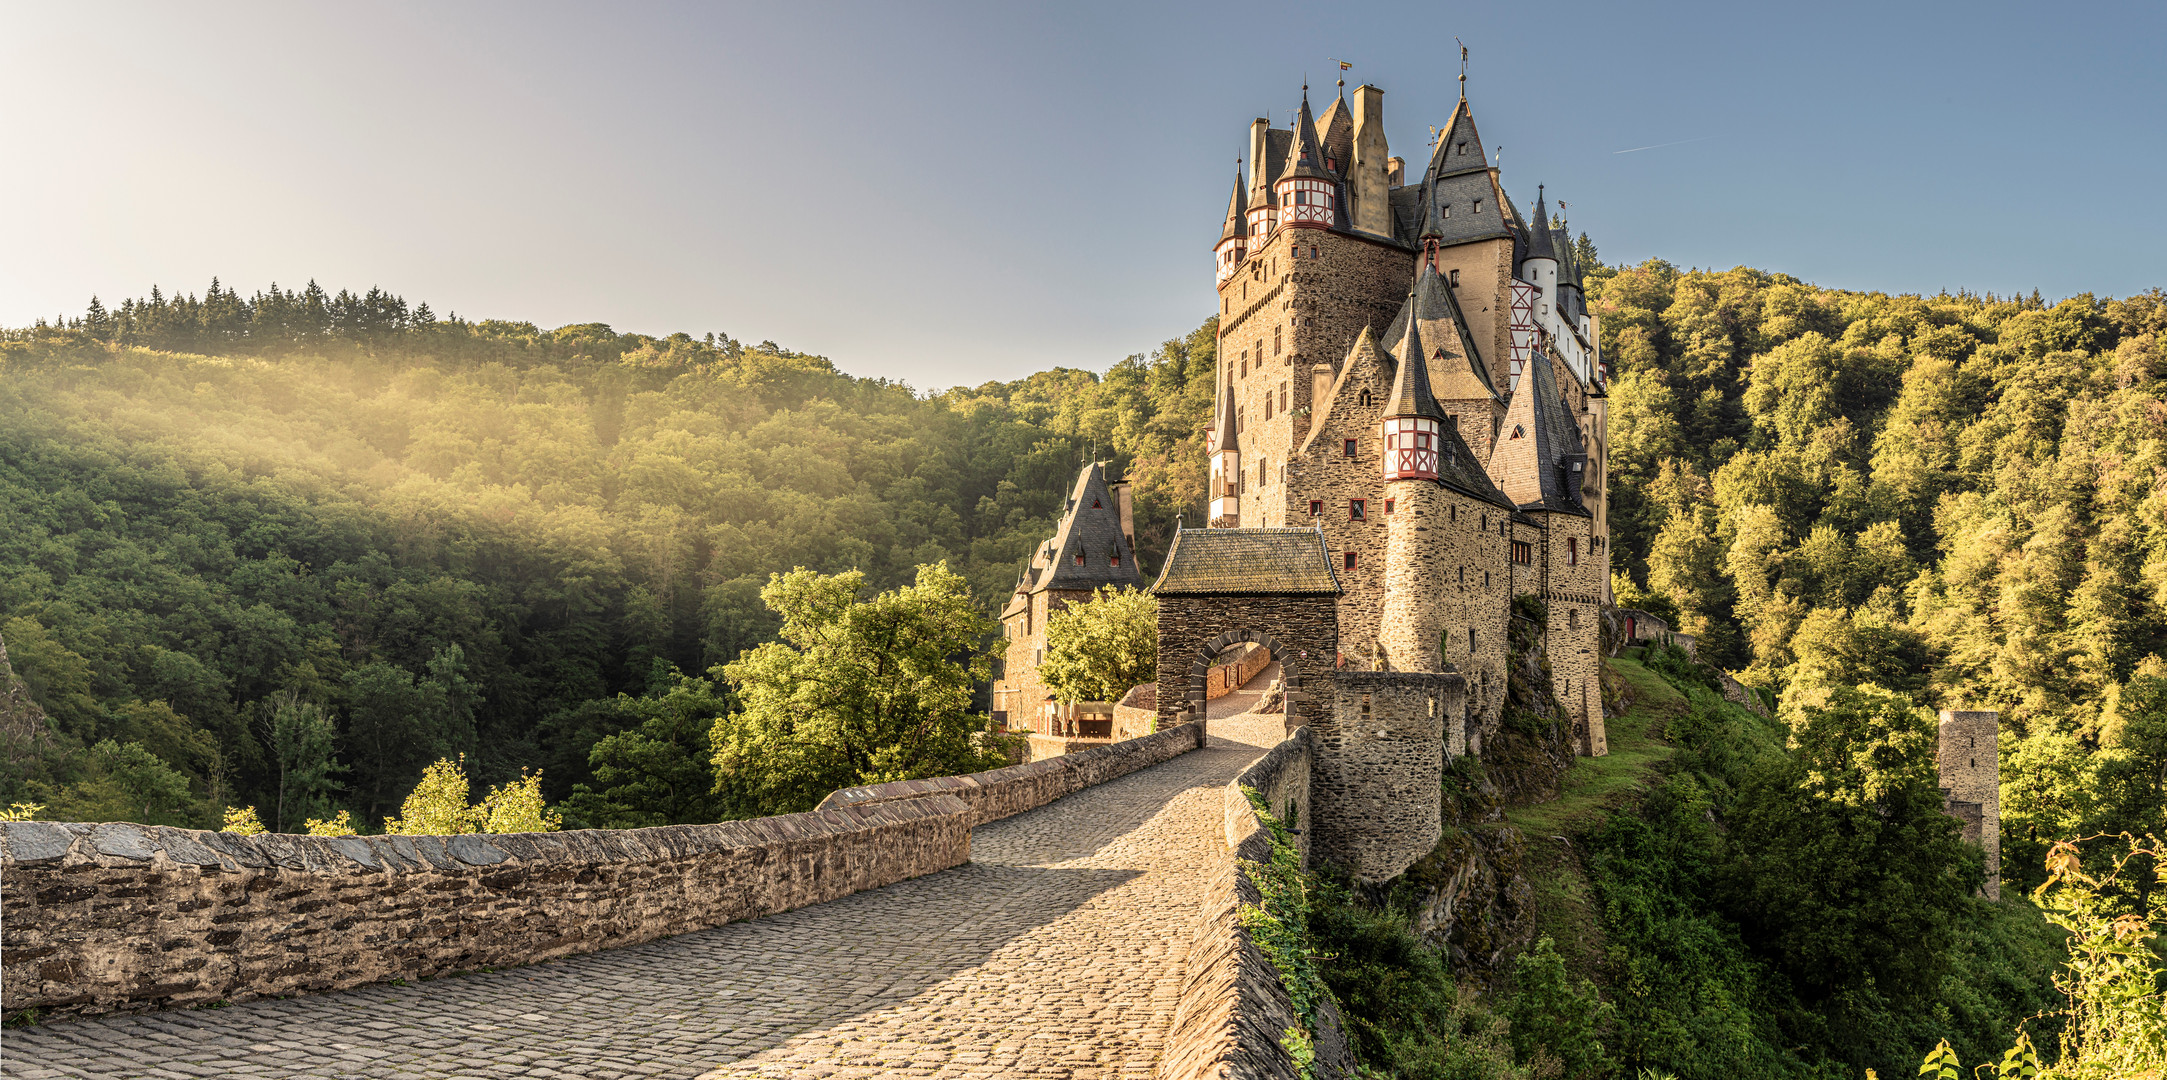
column 1237, row 211
column 1307, row 159
column 1411, row 385
column 1538, row 239
column 1224, row 437
column 1267, row 166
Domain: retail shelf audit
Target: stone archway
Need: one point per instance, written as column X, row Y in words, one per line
column 1290, row 670
column 1300, row 632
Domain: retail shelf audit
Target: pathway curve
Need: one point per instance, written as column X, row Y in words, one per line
column 1056, row 952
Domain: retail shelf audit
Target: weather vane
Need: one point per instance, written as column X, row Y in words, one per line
column 1463, row 68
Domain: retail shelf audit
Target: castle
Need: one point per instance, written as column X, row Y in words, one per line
column 1410, row 431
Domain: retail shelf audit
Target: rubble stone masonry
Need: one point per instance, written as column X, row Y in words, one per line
column 1378, row 758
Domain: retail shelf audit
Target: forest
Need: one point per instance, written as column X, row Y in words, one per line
column 570, row 550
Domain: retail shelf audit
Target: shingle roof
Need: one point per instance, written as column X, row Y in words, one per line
column 1335, row 132
column 1092, row 528
column 1223, row 562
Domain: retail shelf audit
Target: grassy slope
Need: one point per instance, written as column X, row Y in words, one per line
column 1565, row 905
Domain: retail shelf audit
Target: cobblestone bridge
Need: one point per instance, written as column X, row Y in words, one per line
column 1058, row 951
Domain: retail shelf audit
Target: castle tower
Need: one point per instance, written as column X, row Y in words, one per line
column 1093, row 547
column 1306, row 191
column 1970, row 759
column 1234, row 235
column 1226, row 465
column 1415, row 512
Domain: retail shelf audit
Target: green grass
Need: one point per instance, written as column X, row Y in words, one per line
column 1565, row 903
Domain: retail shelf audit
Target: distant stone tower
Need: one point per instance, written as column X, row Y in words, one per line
column 1379, row 759
column 1971, row 782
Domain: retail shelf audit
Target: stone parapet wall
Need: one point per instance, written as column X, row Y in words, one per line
column 991, row 796
column 1233, row 1008
column 123, row 917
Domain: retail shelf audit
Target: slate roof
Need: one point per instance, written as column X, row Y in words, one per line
column 1236, row 562
column 1306, row 159
column 1411, row 384
column 1535, row 465
column 1226, row 436
column 1335, row 132
column 1457, row 466
column 1092, row 528
column 1237, row 211
column 1460, row 379
column 1261, row 173
column 1539, row 242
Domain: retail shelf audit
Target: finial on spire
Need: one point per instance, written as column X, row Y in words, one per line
column 1463, row 69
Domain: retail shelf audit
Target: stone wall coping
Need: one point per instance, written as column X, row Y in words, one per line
column 998, row 793
column 125, row 844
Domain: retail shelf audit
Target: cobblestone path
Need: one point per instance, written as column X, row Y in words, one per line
column 1057, row 951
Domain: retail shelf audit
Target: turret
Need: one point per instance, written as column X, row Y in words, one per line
column 1307, row 192
column 1262, row 210
column 1410, row 626
column 1369, row 181
column 1226, row 468
column 1412, row 419
column 1540, row 268
column 1233, row 237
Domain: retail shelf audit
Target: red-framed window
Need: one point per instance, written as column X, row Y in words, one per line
column 1572, row 551
column 1523, row 553
column 1347, row 450
column 1388, row 505
column 1316, row 508
column 1346, row 560
column 1357, row 509
column 1079, row 558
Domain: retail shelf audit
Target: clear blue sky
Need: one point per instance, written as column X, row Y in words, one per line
column 950, row 193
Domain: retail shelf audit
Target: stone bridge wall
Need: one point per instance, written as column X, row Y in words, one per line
column 991, row 796
column 120, row 916
column 1233, row 1008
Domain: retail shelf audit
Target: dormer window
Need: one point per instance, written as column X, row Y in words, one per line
column 1463, row 149
column 1095, row 505
column 1478, row 206
column 1117, row 558
column 1079, row 558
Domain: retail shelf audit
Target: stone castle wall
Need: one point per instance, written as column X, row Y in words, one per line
column 1302, row 630
column 120, row 916
column 1378, row 766
column 1970, row 760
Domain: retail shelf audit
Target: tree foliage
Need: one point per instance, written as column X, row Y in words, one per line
column 1097, row 649
column 858, row 690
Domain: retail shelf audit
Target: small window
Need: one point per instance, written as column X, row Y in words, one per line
column 1079, row 558
column 1357, row 509
column 1316, row 508
column 1463, row 149
column 1095, row 505
column 1455, row 279
column 1117, row 558
column 1278, row 345
column 1518, row 431
column 1463, row 575
column 1523, row 553
column 1282, row 397
column 1470, row 641
column 1346, row 560
column 1268, row 402
column 1572, row 551
column 1312, row 252
column 1485, row 579
column 1455, row 513
column 1348, row 451
column 1364, row 401
column 1572, row 618
column 1388, row 505
column 1478, row 206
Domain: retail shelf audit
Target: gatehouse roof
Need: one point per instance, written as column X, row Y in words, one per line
column 1223, row 562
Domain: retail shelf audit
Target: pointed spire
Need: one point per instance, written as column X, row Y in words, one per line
column 1226, row 437
column 1538, row 238
column 1433, row 227
column 1237, row 208
column 1306, row 157
column 1411, row 385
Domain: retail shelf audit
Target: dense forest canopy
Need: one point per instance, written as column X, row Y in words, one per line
column 490, row 539
column 472, row 537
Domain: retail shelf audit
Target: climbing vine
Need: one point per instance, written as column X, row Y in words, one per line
column 1279, row 924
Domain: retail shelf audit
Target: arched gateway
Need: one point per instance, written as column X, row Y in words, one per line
column 1225, row 587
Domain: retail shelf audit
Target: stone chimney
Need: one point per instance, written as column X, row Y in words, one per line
column 1369, row 180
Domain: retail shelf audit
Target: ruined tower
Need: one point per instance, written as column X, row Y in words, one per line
column 1970, row 759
